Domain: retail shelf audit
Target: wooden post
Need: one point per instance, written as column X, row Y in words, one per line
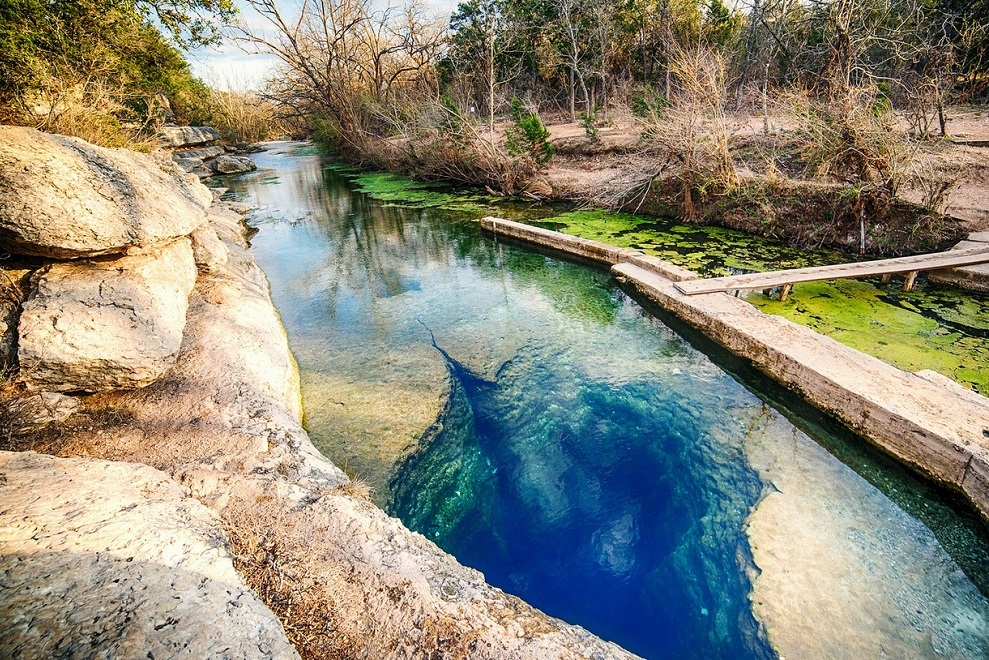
column 886, row 278
column 911, row 281
column 785, row 292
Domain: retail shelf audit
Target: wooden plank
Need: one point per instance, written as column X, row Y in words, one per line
column 949, row 259
column 911, row 281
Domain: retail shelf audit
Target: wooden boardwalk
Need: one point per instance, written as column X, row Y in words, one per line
column 908, row 266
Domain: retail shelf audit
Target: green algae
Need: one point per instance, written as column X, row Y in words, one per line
column 709, row 251
column 934, row 327
column 867, row 317
column 404, row 192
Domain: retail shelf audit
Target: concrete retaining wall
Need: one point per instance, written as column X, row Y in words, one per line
column 936, row 427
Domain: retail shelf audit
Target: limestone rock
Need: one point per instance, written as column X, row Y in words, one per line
column 202, row 153
column 62, row 197
column 103, row 325
column 188, row 164
column 188, row 136
column 232, row 165
column 101, row 559
column 209, row 250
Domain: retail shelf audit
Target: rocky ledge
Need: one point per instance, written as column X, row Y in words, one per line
column 177, row 504
column 194, row 150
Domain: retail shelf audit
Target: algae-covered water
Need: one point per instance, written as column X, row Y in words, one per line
column 607, row 466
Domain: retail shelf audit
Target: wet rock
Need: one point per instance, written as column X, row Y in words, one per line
column 102, row 559
column 202, row 172
column 188, row 136
column 209, row 251
column 62, row 197
column 110, row 324
column 232, row 165
column 36, row 412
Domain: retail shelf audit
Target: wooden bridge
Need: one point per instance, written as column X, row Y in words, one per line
column 907, row 266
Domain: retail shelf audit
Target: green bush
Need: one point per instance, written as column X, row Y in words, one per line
column 528, row 137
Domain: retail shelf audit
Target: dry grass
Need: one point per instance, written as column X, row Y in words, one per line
column 275, row 555
column 90, row 109
column 243, row 116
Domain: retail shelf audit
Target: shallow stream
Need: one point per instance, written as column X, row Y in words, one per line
column 536, row 422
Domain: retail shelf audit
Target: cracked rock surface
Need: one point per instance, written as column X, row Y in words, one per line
column 103, row 325
column 104, row 560
column 64, row 198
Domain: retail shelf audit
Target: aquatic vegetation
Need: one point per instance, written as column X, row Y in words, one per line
column 933, row 327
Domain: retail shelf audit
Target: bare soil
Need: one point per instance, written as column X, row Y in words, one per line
column 615, row 170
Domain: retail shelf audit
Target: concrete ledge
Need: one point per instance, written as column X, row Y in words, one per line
column 939, row 429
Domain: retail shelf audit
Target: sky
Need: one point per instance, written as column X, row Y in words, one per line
column 228, row 67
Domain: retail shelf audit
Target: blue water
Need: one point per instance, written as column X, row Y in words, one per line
column 568, row 444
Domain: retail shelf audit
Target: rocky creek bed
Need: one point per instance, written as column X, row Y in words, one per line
column 185, row 508
column 515, row 408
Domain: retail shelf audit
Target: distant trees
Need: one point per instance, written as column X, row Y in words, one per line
column 347, row 66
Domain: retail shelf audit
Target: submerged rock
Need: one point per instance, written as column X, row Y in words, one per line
column 104, row 325
column 103, row 559
column 188, row 136
column 232, row 165
column 62, row 197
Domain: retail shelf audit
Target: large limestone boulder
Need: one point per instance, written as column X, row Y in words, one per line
column 188, row 136
column 232, row 165
column 64, row 198
column 101, row 559
column 101, row 325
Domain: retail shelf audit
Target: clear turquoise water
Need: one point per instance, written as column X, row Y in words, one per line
column 586, row 456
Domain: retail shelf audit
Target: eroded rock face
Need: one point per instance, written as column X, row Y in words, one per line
column 104, row 559
column 210, row 252
column 64, row 198
column 232, row 165
column 188, row 136
column 110, row 324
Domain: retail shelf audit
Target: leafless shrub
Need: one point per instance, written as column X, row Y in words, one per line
column 852, row 139
column 443, row 140
column 241, row 116
column 934, row 183
column 694, row 131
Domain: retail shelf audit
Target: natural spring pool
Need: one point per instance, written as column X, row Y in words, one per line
column 532, row 419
